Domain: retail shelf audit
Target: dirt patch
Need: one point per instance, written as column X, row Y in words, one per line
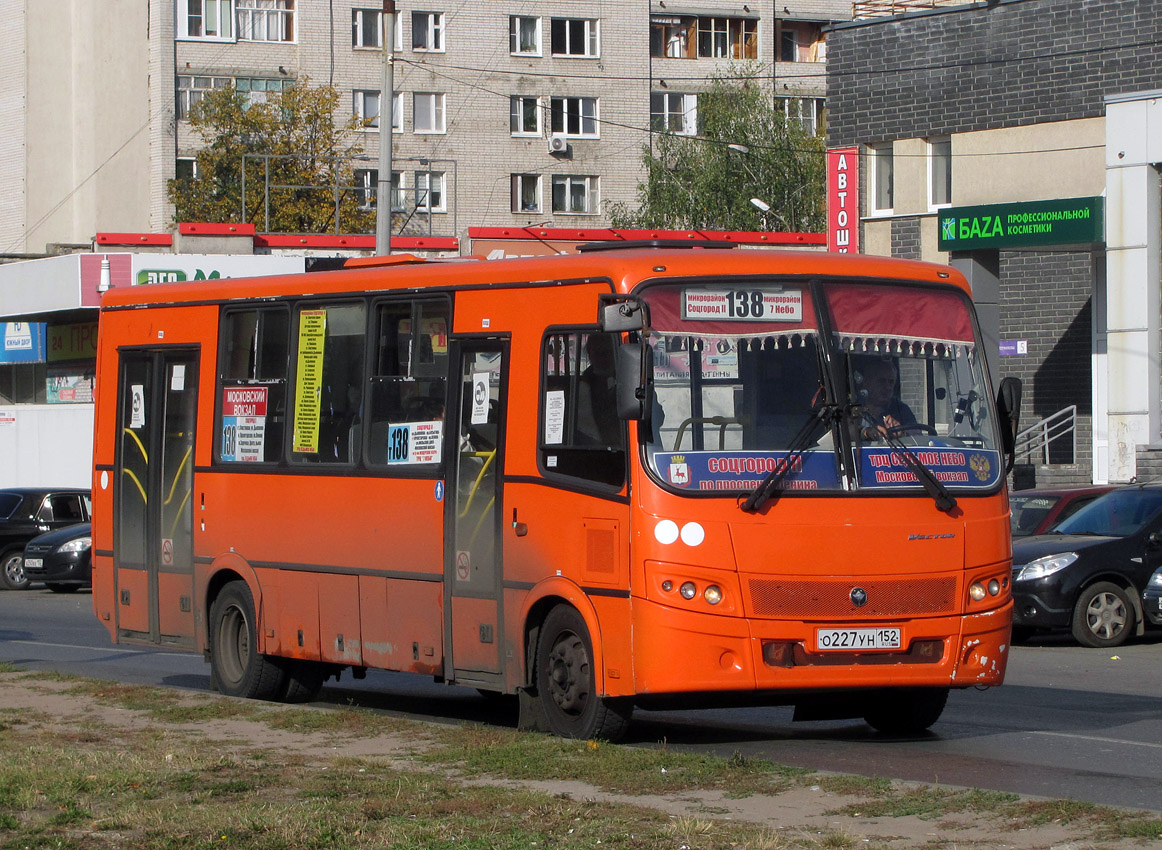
column 803, row 815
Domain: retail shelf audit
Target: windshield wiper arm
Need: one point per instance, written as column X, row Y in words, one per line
column 944, row 500
column 821, row 414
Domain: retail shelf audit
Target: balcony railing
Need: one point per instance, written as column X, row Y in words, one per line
column 1033, row 442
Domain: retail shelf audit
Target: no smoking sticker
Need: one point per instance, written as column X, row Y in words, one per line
column 463, row 566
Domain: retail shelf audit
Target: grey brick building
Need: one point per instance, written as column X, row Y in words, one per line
column 1022, row 118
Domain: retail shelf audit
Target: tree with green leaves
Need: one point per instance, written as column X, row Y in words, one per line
column 745, row 148
column 290, row 143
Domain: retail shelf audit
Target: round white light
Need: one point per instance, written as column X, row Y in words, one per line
column 712, row 594
column 976, row 592
column 688, row 590
column 666, row 531
column 667, row 585
column 994, row 587
column 693, row 534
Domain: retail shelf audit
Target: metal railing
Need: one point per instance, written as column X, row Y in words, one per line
column 878, row 8
column 1035, row 439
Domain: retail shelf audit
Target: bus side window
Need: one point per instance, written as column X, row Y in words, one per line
column 328, row 382
column 252, row 382
column 408, row 388
column 581, row 434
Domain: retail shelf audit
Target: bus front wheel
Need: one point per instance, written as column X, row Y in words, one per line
column 906, row 711
column 566, row 682
column 236, row 665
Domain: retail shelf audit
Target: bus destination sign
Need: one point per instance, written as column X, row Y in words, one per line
column 743, row 305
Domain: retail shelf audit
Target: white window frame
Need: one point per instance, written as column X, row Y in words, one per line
column 434, row 33
column 366, row 187
column 807, row 111
column 516, row 115
column 187, row 96
column 359, row 28
column 939, row 162
column 266, row 20
column 223, row 13
column 591, row 39
column 360, row 102
column 587, row 112
column 590, row 186
column 879, row 155
column 437, row 112
column 424, row 190
column 521, row 182
column 684, row 112
column 721, row 31
column 514, row 33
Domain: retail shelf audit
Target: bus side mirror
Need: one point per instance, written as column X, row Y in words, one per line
column 1009, row 414
column 622, row 316
column 635, row 369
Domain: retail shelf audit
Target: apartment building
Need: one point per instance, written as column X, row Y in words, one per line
column 504, row 114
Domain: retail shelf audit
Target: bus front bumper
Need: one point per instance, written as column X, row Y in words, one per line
column 686, row 652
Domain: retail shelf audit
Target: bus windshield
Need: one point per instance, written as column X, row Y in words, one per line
column 839, row 380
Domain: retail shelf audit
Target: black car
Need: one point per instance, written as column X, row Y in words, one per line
column 27, row 512
column 1152, row 598
column 1088, row 574
column 61, row 558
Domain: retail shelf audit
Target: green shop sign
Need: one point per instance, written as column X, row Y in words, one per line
column 1060, row 222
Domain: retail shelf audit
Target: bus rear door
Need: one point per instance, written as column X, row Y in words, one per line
column 153, row 511
column 472, row 546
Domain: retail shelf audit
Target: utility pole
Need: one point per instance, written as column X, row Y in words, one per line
column 386, row 114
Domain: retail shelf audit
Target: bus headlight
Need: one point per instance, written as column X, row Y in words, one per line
column 712, row 594
column 977, row 591
column 688, row 590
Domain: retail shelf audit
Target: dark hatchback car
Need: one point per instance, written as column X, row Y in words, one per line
column 28, row 512
column 1152, row 598
column 1037, row 511
column 1088, row 574
column 61, row 558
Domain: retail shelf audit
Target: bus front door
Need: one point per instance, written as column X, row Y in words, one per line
column 153, row 510
column 472, row 548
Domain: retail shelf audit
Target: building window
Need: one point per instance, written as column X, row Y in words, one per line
column 808, row 111
column 524, row 117
column 186, row 168
column 428, row 31
column 574, row 116
column 526, row 193
column 367, row 29
column 430, row 191
column 674, row 113
column 882, row 177
column 211, row 19
column 801, row 41
column 191, row 90
column 366, row 186
column 574, row 195
column 258, row 90
column 266, row 20
column 524, row 35
column 367, row 108
column 673, row 37
column 727, row 38
column 428, row 112
column 575, row 37
column 939, row 172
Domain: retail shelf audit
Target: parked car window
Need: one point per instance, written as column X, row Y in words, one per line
column 1119, row 513
column 1028, row 511
column 9, row 502
column 65, row 508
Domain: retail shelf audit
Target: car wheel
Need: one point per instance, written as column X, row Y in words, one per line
column 237, row 667
column 62, row 588
column 12, row 575
column 1103, row 616
column 906, row 711
column 566, row 684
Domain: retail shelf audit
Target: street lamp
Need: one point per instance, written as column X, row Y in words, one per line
column 763, row 207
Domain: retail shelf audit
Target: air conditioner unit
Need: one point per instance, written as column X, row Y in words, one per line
column 557, row 143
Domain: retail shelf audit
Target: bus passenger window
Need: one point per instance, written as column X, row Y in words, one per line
column 252, row 383
column 581, row 434
column 408, row 389
column 328, row 382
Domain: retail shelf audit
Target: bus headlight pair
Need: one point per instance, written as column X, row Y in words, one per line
column 712, row 593
column 979, row 590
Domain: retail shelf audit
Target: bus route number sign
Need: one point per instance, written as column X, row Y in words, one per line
column 743, row 305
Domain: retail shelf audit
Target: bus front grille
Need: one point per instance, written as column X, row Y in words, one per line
column 832, row 599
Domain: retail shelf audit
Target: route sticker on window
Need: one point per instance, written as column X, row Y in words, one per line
column 554, row 417
column 743, row 305
column 244, row 424
column 415, row 442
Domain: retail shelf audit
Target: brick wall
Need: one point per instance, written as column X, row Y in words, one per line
column 978, row 67
column 906, row 238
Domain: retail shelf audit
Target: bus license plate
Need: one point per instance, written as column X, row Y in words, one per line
column 33, row 563
column 849, row 639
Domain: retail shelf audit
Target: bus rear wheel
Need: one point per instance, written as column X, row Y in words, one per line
column 566, row 682
column 237, row 667
column 906, row 711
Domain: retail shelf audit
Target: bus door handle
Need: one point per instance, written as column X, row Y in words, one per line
column 520, row 528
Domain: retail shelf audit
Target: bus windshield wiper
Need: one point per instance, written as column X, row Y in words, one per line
column 944, row 500
column 821, row 415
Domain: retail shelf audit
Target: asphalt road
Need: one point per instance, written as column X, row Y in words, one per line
column 1078, row 723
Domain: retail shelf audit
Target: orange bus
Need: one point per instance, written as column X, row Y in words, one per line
column 641, row 476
